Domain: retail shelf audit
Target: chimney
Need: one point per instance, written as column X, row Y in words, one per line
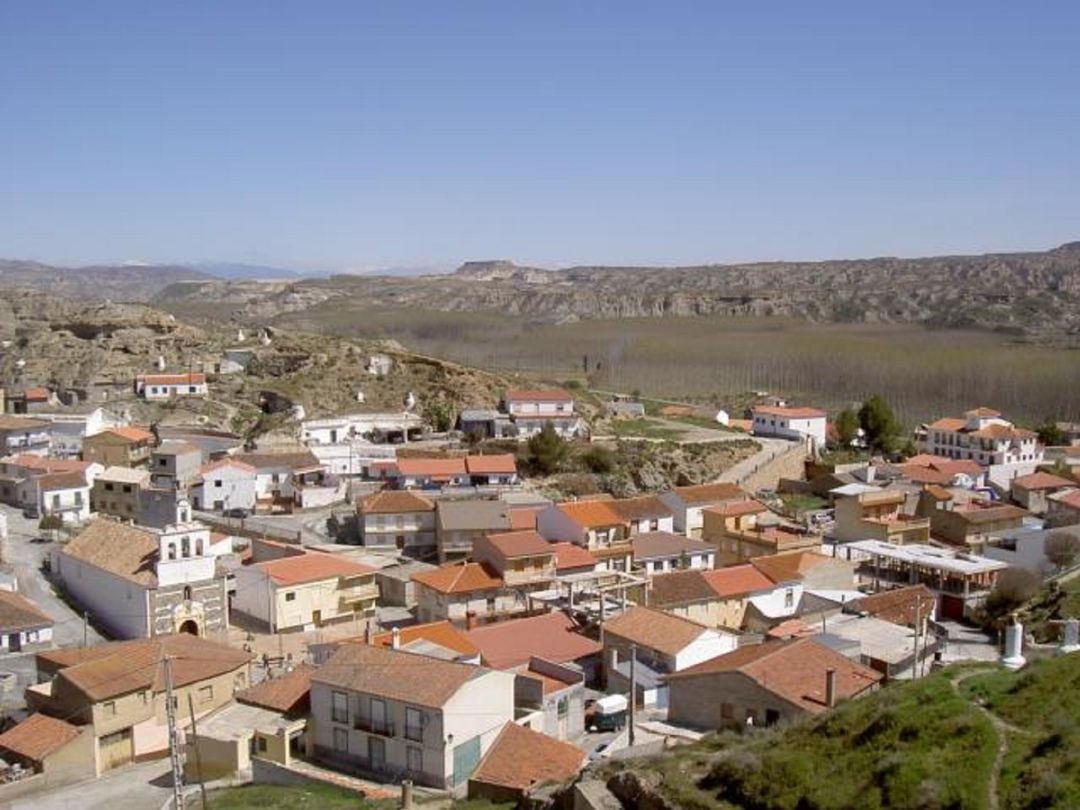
column 830, row 688
column 470, row 620
column 395, row 639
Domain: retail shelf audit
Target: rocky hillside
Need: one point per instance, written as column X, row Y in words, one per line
column 1034, row 294
column 117, row 282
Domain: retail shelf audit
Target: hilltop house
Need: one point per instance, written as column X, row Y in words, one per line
column 139, row 582
column 394, row 714
column 531, row 410
column 785, row 422
column 159, row 387
column 983, row 436
column 763, row 684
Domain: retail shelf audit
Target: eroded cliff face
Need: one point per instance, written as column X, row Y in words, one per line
column 1036, row 294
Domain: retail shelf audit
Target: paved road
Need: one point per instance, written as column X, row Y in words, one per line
column 143, row 786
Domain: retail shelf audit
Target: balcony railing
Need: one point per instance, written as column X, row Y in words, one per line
column 382, row 728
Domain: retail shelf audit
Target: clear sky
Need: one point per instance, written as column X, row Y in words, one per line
column 358, row 135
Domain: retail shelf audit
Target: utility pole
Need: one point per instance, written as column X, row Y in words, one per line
column 633, row 691
column 174, row 752
column 85, row 627
column 198, row 755
column 915, row 666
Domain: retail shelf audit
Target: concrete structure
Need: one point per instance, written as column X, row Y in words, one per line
column 1025, row 547
column 281, row 477
column 395, row 715
column 175, row 464
column 397, row 428
column 805, row 424
column 139, row 582
column 879, row 515
column 742, row 530
column 660, row 552
column 305, row 591
column 116, row 492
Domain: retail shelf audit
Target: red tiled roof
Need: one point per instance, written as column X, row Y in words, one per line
column 434, row 467
column 1042, row 480
column 664, row 632
column 190, row 378
column 521, row 759
column 61, row 480
column 311, row 567
column 641, row 508
column 591, row 514
column 523, row 517
column 38, row 736
column 502, row 464
column 551, row 636
column 571, row 555
column 553, row 395
column 948, row 424
column 790, row 413
column 896, row 606
column 459, row 578
column 680, row 588
column 788, row 567
column 395, row 502
column 226, row 462
column 1004, row 432
column 39, row 464
column 442, row 633
column 1069, row 499
column 795, row 670
column 19, row 613
column 289, row 693
column 520, row 544
column 709, row 493
column 737, row 580
column 983, row 413
column 747, row 507
column 38, row 393
column 134, row 434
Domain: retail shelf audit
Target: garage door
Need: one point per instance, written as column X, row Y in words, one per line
column 115, row 750
column 952, row 607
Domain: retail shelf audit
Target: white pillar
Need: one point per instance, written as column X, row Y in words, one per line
column 1070, row 639
column 1014, row 644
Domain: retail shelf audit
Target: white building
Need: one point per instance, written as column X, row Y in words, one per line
column 984, row 437
column 138, row 582
column 531, row 410
column 786, row 422
column 54, row 486
column 156, row 387
column 224, row 485
column 22, row 623
column 399, row 426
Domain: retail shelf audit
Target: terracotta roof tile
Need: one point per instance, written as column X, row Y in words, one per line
column 523, row 517
column 459, row 578
column 654, row 629
column 18, row 613
column 37, row 736
column 738, row 580
column 680, row 588
column 794, row 670
column 520, row 544
column 312, row 566
column 790, row 413
column 1069, row 499
column 189, row 378
column 61, row 480
column 948, row 424
column 571, row 555
column 1042, row 480
column 503, row 463
column 551, row 636
column 736, row 508
column 289, row 693
column 552, row 395
column 591, row 514
column 641, row 508
column 788, row 567
column 394, row 674
column 709, row 493
column 664, row 545
column 392, row 501
column 434, row 467
column 522, row 759
column 21, row 423
column 896, row 606
column 441, row 633
column 128, row 551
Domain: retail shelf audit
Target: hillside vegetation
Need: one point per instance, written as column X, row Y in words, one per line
column 962, row 738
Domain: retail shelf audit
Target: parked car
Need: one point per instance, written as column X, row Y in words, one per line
column 237, row 512
column 31, row 513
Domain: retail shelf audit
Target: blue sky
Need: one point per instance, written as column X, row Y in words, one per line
column 359, row 135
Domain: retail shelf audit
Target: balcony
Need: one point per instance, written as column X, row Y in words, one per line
column 380, row 728
column 358, row 595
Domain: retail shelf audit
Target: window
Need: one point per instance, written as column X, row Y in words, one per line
column 191, row 389
column 172, row 551
column 217, row 483
column 490, row 604
column 377, row 752
column 108, row 708
column 78, row 499
column 414, row 759
column 414, row 724
column 290, row 596
column 341, row 740
column 187, row 593
column 162, row 462
column 260, row 743
column 108, row 487
column 562, row 708
column 206, row 693
column 185, row 546
column 772, row 717
column 127, row 489
column 55, row 501
column 339, row 708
